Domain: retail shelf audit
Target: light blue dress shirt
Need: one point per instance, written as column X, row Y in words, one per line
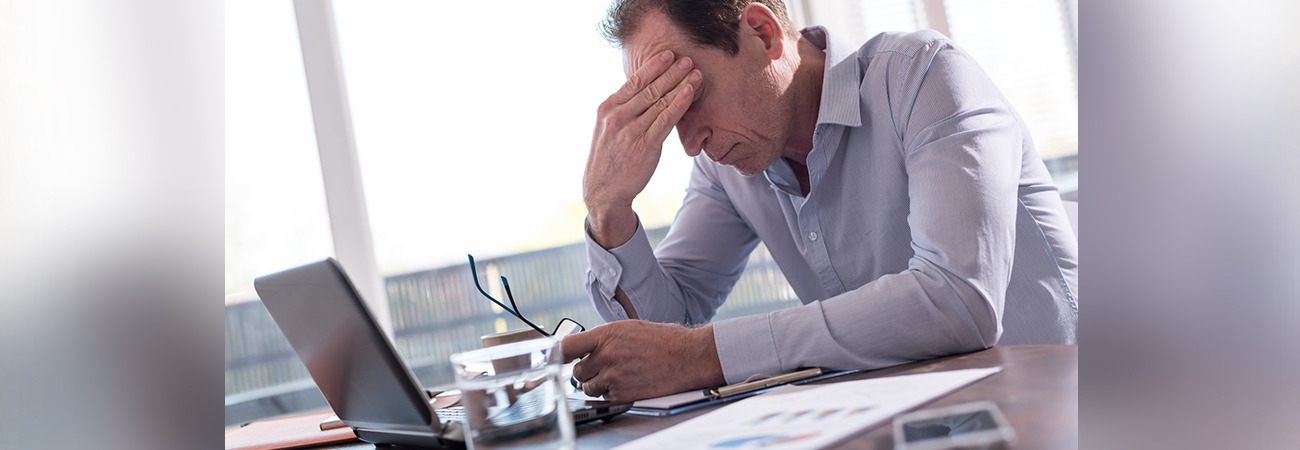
column 932, row 226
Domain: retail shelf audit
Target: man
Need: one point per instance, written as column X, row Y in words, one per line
column 895, row 187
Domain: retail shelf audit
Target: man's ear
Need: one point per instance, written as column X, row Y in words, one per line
column 759, row 26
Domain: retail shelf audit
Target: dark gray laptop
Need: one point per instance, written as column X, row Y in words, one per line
column 357, row 368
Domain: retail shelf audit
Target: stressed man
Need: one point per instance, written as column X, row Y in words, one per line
column 895, row 187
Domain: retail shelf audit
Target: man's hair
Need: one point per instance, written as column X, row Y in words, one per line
column 711, row 23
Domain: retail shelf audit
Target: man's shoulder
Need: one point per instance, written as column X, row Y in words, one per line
column 907, row 44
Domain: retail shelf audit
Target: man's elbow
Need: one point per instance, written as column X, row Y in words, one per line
column 972, row 337
column 986, row 321
column 971, row 304
column 982, row 328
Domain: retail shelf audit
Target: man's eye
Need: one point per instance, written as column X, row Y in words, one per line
column 695, row 102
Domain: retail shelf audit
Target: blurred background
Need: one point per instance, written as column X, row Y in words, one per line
column 472, row 126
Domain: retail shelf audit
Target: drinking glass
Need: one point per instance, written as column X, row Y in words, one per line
column 513, row 396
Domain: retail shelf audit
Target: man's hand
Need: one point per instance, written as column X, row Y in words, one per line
column 631, row 126
column 632, row 360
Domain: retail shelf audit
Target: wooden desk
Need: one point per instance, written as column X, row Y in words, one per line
column 1037, row 389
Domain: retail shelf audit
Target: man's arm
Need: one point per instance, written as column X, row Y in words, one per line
column 633, row 359
column 631, row 126
column 702, row 257
column 962, row 149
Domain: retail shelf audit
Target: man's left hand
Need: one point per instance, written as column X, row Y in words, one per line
column 632, row 360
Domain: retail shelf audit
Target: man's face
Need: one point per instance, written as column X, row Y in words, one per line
column 742, row 112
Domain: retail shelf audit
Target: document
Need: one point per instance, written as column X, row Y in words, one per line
column 695, row 399
column 811, row 416
column 666, row 402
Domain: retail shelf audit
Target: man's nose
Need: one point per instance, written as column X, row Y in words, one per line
column 692, row 135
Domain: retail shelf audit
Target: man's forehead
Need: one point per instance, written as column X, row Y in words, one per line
column 655, row 35
column 633, row 61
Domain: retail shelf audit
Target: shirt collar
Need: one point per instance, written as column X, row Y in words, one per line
column 840, row 103
column 781, row 176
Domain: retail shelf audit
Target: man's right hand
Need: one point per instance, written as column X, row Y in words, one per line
column 631, row 126
column 630, row 360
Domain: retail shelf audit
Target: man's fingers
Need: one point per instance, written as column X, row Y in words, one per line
column 661, row 87
column 578, row 345
column 664, row 115
column 642, row 77
column 594, row 388
column 584, row 371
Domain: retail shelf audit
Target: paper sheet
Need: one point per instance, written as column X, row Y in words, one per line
column 666, row 402
column 809, row 416
column 672, row 401
column 579, row 395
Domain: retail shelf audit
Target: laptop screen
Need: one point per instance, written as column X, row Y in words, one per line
column 352, row 361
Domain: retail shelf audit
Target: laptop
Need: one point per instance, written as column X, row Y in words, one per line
column 357, row 368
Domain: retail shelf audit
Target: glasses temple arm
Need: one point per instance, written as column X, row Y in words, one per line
column 474, row 273
column 519, row 314
column 510, row 295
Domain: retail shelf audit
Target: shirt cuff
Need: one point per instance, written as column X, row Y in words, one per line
column 746, row 346
column 607, row 267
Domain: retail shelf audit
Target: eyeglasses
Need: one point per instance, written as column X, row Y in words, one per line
column 513, row 309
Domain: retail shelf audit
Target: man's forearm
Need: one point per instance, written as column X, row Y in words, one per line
column 708, row 364
column 913, row 315
column 611, row 227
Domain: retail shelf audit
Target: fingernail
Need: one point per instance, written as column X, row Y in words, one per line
column 695, row 76
column 684, row 63
column 666, row 56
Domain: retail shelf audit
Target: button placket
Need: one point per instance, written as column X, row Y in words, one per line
column 816, row 252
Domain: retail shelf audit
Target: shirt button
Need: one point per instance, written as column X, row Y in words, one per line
column 812, row 235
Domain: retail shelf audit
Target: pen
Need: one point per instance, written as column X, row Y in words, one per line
column 740, row 388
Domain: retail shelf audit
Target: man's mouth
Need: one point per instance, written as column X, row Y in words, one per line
column 723, row 159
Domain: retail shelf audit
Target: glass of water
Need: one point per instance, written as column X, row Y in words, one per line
column 513, row 396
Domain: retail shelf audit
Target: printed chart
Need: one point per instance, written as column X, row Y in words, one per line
column 809, row 416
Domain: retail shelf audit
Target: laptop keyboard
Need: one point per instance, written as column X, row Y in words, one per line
column 456, row 414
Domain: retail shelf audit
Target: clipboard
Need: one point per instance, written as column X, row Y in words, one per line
column 693, row 400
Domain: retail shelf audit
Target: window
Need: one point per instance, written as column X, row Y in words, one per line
column 275, row 203
column 473, row 133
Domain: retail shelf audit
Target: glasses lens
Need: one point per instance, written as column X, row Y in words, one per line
column 567, row 326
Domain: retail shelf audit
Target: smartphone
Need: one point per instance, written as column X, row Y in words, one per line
column 978, row 425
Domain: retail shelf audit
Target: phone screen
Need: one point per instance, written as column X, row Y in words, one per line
column 948, row 426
